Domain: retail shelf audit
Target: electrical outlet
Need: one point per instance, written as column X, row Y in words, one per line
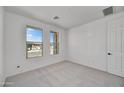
column 18, row 66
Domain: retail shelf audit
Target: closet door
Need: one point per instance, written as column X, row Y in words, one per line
column 123, row 48
column 115, row 47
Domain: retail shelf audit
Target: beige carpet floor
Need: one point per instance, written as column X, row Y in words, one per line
column 65, row 74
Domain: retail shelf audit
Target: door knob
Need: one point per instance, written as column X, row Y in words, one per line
column 109, row 53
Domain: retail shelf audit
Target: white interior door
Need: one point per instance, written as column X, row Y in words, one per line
column 115, row 47
column 122, row 48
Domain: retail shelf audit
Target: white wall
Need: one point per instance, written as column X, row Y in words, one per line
column 87, row 44
column 1, row 47
column 15, row 45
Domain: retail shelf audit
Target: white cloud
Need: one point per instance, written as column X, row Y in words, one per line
column 29, row 35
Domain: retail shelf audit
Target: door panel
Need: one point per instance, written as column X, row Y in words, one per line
column 123, row 48
column 115, row 46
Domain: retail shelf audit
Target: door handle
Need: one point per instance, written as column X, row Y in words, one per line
column 109, row 53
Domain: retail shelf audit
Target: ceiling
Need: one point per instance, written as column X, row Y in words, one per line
column 69, row 16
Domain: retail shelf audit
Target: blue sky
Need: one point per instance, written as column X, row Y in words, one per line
column 36, row 35
column 51, row 37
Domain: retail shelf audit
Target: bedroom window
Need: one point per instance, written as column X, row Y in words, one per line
column 34, row 42
column 54, row 43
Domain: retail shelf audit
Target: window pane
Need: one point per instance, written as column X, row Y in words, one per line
column 34, row 42
column 54, row 44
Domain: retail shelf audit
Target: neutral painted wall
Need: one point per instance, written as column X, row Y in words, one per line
column 1, row 46
column 87, row 44
column 15, row 45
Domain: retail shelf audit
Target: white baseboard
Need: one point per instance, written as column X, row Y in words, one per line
column 35, row 68
column 81, row 63
column 2, row 83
